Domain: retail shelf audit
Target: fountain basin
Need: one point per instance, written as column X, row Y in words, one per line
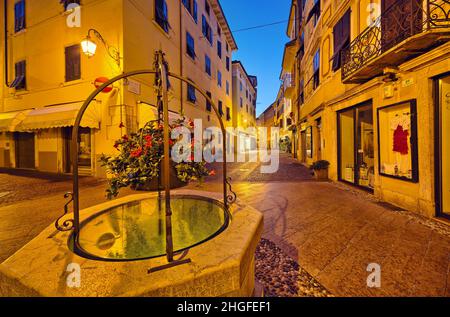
column 222, row 260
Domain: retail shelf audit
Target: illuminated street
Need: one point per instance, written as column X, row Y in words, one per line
column 334, row 232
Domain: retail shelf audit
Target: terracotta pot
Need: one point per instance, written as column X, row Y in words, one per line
column 321, row 175
column 152, row 185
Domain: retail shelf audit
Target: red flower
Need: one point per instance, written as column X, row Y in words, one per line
column 191, row 123
column 212, row 173
column 121, row 125
column 171, row 143
column 136, row 153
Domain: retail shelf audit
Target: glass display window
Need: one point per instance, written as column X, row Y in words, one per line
column 397, row 141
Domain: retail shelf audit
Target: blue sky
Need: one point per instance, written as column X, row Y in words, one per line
column 260, row 50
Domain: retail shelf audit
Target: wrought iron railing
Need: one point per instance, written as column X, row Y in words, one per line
column 402, row 20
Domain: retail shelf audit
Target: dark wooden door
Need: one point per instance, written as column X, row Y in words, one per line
column 25, row 150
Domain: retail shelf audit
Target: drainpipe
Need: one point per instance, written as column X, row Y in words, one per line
column 181, row 56
column 6, row 41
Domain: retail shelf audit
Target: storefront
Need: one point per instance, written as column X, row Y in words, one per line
column 356, row 154
column 443, row 146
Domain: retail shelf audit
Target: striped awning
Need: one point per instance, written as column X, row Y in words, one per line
column 9, row 120
column 59, row 116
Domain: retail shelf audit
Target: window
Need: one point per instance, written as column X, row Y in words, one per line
column 208, row 104
column 309, row 142
column 207, row 7
column 220, row 108
column 20, row 81
column 397, row 131
column 190, row 45
column 246, row 94
column 66, row 3
column 206, row 30
column 219, row 30
column 219, row 49
column 341, row 36
column 219, row 78
column 228, row 114
column 191, row 97
column 19, row 16
column 228, row 63
column 192, row 7
column 207, row 65
column 161, row 15
column 227, row 47
column 241, row 103
column 240, row 86
column 316, row 69
column 73, row 62
column 228, row 88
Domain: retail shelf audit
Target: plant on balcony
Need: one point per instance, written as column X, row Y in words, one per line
column 140, row 158
column 320, row 169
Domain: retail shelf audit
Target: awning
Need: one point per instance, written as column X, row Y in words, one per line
column 60, row 116
column 9, row 120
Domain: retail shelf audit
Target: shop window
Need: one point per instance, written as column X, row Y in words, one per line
column 190, row 45
column 73, row 62
column 309, row 142
column 397, row 131
column 19, row 16
column 161, row 15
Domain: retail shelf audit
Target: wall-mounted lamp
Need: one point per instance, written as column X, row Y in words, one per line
column 89, row 47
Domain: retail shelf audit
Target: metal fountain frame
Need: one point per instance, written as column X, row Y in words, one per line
column 162, row 75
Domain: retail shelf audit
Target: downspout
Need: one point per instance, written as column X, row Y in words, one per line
column 6, row 41
column 181, row 57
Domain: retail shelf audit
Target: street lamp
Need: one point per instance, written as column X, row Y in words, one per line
column 89, row 47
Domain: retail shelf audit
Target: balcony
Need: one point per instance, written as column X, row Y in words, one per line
column 403, row 31
column 289, row 85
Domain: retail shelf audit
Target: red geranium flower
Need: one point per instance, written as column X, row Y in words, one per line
column 136, row 153
column 212, row 173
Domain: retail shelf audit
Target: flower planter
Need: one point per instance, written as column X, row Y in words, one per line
column 152, row 185
column 321, row 175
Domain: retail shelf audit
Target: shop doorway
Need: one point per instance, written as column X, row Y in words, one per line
column 25, row 150
column 356, row 146
column 442, row 99
column 85, row 150
column 303, row 146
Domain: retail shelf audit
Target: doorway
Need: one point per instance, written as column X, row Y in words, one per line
column 442, row 162
column 67, row 144
column 356, row 154
column 25, row 150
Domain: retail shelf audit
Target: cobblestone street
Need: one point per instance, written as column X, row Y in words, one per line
column 332, row 231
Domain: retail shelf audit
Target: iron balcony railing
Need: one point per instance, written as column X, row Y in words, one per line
column 402, row 20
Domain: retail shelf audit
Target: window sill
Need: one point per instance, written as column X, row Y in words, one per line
column 161, row 29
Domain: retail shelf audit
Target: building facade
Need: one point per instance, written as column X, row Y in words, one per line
column 373, row 95
column 47, row 77
column 245, row 96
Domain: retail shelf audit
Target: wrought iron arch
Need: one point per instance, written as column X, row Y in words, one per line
column 162, row 75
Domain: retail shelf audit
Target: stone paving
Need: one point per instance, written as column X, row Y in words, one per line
column 331, row 231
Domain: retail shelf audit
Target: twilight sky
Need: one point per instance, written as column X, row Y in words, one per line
column 261, row 49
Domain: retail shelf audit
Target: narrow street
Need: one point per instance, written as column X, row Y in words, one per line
column 333, row 231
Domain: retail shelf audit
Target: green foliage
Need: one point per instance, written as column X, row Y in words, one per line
column 139, row 158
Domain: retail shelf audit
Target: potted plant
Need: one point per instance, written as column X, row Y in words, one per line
column 320, row 169
column 139, row 159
